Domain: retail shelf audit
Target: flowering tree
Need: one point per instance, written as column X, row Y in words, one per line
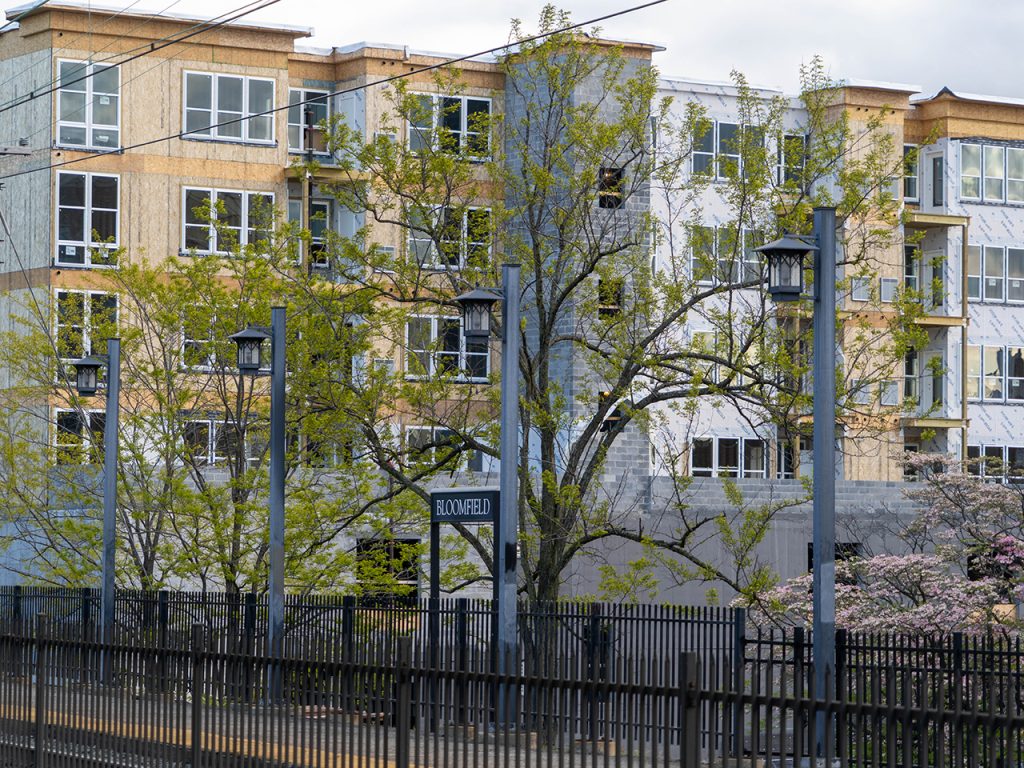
column 957, row 566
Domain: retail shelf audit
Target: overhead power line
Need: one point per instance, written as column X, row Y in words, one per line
column 343, row 91
column 140, row 51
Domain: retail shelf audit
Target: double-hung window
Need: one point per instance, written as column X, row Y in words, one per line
column 78, row 437
column 437, row 346
column 910, row 173
column 1015, row 274
column 970, row 172
column 88, row 105
column 229, row 107
column 992, row 285
column 308, row 111
column 198, row 344
column 217, row 221
column 1015, row 374
column 717, row 148
column 320, row 221
column 451, row 124
column 973, row 372
column 85, row 320
column 792, row 158
column 432, row 444
column 87, row 218
column 447, row 238
column 993, row 369
column 716, row 255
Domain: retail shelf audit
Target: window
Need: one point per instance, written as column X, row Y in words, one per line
column 792, row 158
column 437, row 346
column 785, row 455
column 993, row 282
column 911, row 267
column 974, row 272
column 938, row 181
column 237, row 102
column 207, row 441
column 451, row 124
column 973, row 372
column 433, row 444
column 702, row 254
column 88, row 105
column 305, row 120
column 755, row 458
column 717, row 148
column 844, row 550
column 1015, row 374
column 1015, row 274
column 1015, row 464
column 702, row 462
column 911, row 372
column 388, row 569
column 1015, row 175
column 462, row 236
column 610, row 294
column 609, row 188
column 973, row 463
column 728, row 457
column 860, row 391
column 84, row 322
column 910, row 172
column 992, row 359
column 717, row 256
column 993, row 464
column 240, row 218
column 860, row 289
column 887, row 289
column 889, row 393
column 87, row 219
column 705, row 343
column 198, row 348
column 320, row 220
column 970, row 172
column 995, row 160
column 78, row 437
column 991, row 172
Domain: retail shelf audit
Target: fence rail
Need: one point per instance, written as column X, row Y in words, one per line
column 77, row 702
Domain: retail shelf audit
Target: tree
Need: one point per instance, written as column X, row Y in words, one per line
column 955, row 566
column 561, row 186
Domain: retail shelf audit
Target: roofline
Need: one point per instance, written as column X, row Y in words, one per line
column 975, row 97
column 81, row 6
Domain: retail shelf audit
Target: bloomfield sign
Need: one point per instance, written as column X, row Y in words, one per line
column 463, row 505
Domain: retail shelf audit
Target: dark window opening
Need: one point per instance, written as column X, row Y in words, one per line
column 609, row 188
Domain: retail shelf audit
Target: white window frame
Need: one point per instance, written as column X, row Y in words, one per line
column 85, row 435
column 433, row 259
column 87, row 324
column 212, row 194
column 88, row 245
column 860, row 289
column 740, row 469
column 887, row 288
column 981, row 171
column 979, row 275
column 717, row 156
column 1008, row 366
column 245, row 117
column 911, row 181
column 462, row 354
column 304, row 95
column 464, row 131
column 314, row 250
column 999, row 379
column 88, row 123
column 974, row 374
column 784, row 172
column 209, row 356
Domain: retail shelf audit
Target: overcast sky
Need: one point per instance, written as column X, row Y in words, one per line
column 969, row 46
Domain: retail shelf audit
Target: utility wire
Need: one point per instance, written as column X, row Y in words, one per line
column 141, row 51
column 319, row 98
column 74, row 40
column 46, row 127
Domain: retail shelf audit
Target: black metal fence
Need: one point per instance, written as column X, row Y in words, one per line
column 74, row 702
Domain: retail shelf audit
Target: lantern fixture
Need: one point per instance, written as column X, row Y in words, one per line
column 476, row 312
column 786, row 259
column 87, row 374
column 250, row 348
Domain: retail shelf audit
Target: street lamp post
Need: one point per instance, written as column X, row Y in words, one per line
column 786, row 258
column 250, row 361
column 86, row 382
column 476, row 306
